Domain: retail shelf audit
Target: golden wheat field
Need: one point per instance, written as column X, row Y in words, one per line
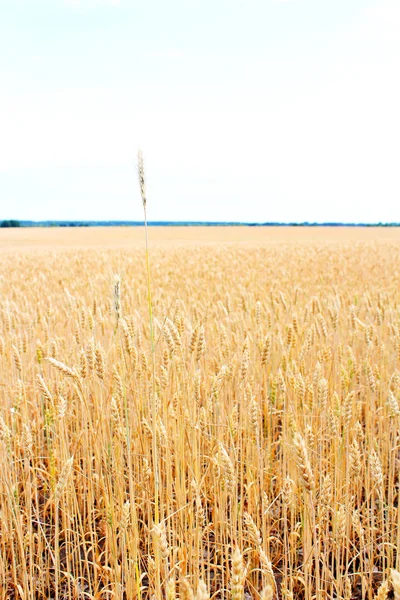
column 254, row 452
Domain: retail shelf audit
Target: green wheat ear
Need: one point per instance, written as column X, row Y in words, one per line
column 142, row 183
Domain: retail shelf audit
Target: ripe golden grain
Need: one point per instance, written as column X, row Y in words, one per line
column 272, row 419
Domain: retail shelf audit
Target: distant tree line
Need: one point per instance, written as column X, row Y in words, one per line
column 10, row 223
column 15, row 223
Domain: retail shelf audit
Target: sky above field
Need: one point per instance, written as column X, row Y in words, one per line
column 246, row 110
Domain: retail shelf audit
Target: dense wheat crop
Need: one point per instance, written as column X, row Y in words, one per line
column 275, row 392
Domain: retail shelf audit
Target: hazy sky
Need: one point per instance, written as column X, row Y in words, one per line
column 246, row 110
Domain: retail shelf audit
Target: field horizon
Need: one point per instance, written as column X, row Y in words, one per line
column 16, row 239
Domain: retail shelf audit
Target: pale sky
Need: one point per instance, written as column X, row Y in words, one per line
column 245, row 110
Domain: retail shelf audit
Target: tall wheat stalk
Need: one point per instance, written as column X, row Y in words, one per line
column 142, row 185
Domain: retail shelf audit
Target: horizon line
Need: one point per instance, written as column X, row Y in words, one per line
column 125, row 222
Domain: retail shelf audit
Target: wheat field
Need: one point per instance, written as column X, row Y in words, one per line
column 254, row 453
